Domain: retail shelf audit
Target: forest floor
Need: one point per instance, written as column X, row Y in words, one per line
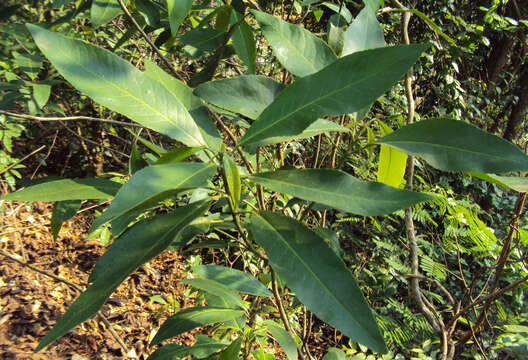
column 31, row 302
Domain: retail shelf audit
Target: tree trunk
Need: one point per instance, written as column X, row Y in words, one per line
column 519, row 110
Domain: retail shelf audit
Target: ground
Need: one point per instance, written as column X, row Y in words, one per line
column 30, row 302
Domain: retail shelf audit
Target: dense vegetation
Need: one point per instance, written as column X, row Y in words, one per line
column 358, row 164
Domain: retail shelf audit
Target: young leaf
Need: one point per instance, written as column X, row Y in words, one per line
column 178, row 10
column 284, row 339
column 453, row 145
column 188, row 319
column 103, row 11
column 154, row 183
column 297, row 49
column 364, row 33
column 118, row 85
column 202, row 349
column 217, row 289
column 516, row 183
column 135, row 247
column 67, row 189
column 62, row 211
column 340, row 190
column 347, row 85
column 244, row 42
column 232, row 351
column 392, row 163
column 233, row 278
column 233, row 179
column 318, row 277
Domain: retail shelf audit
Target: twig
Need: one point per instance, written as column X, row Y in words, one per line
column 74, row 286
column 501, row 262
column 21, row 160
column 149, row 41
column 68, row 118
column 282, row 311
column 234, row 140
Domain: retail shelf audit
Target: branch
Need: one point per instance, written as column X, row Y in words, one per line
column 21, row 160
column 149, row 41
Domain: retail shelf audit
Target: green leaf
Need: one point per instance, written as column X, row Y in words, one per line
column 364, row 33
column 192, row 103
column 222, row 302
column 135, row 247
column 319, row 126
column 233, row 278
column 232, row 351
column 373, row 5
column 284, row 339
column 200, row 41
column 244, row 43
column 392, row 163
column 118, row 85
column 154, row 183
column 188, row 319
column 297, row 49
column 516, row 183
column 340, row 190
column 318, row 277
column 334, row 354
column 347, row 85
column 248, row 95
column 67, row 189
column 103, row 11
column 177, row 155
column 453, row 145
column 41, row 94
column 233, row 179
column 203, row 348
column 28, row 63
column 216, row 288
column 136, row 160
column 178, row 10
column 63, row 211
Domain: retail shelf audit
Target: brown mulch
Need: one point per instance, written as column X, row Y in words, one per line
column 31, row 303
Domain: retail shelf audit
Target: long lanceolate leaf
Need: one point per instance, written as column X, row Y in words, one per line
column 154, row 183
column 67, row 189
column 135, row 247
column 453, row 145
column 298, row 50
column 116, row 84
column 347, row 85
column 190, row 318
column 318, row 276
column 340, row 190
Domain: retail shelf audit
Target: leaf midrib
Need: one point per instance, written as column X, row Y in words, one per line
column 329, row 94
column 122, row 90
column 157, row 193
column 309, row 269
column 306, row 188
column 450, row 147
